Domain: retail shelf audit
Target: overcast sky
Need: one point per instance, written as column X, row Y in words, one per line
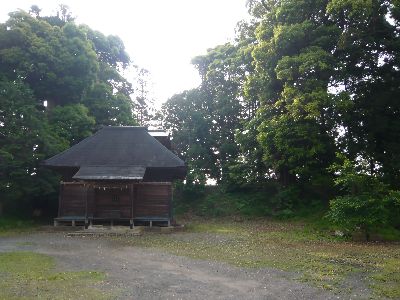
column 161, row 36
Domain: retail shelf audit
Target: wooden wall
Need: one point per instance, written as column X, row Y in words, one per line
column 116, row 200
column 153, row 200
column 112, row 203
column 72, row 200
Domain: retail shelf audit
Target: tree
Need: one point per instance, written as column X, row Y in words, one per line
column 77, row 71
column 107, row 107
column 57, row 63
column 25, row 140
column 186, row 118
column 35, row 11
column 368, row 48
column 144, row 105
column 66, row 64
column 293, row 69
column 71, row 122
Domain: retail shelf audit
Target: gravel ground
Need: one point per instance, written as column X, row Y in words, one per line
column 142, row 273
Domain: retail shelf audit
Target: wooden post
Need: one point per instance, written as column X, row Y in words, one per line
column 131, row 224
column 135, row 197
column 86, row 205
column 94, row 202
column 60, row 199
column 170, row 204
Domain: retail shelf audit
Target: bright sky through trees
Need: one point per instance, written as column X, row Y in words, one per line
column 161, row 36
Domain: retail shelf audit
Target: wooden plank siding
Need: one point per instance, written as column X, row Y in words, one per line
column 112, row 203
column 72, row 200
column 115, row 201
column 153, row 200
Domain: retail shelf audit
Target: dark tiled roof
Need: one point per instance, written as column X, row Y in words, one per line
column 110, row 173
column 117, row 146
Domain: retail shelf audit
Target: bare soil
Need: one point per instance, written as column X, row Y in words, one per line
column 142, row 273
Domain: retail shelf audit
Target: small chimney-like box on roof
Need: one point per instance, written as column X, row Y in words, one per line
column 118, row 174
column 162, row 136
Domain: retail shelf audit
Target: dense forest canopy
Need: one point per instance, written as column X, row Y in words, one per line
column 307, row 97
column 59, row 82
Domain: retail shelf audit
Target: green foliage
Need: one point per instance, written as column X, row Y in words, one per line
column 190, row 125
column 26, row 140
column 56, row 62
column 248, row 169
column 216, row 201
column 203, row 120
column 212, row 201
column 12, row 225
column 71, row 122
column 294, row 63
column 302, row 81
column 76, row 71
column 107, row 107
column 368, row 203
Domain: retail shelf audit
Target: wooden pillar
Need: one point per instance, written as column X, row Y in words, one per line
column 131, row 199
column 60, row 198
column 135, row 199
column 86, row 204
column 94, row 201
column 171, row 196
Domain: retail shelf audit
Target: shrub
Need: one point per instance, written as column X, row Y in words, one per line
column 368, row 203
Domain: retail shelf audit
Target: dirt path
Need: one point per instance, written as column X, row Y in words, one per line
column 140, row 273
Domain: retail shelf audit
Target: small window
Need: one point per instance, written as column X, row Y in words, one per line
column 115, row 198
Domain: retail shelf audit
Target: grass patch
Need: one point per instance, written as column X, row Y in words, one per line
column 13, row 225
column 320, row 258
column 28, row 275
column 387, row 281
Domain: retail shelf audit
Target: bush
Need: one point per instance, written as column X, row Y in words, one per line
column 358, row 213
column 367, row 204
